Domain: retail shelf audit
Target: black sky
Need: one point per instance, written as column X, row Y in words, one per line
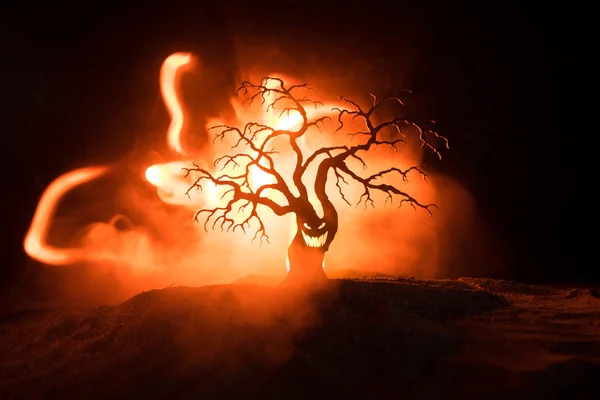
column 80, row 88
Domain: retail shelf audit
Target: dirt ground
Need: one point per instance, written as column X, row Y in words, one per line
column 364, row 338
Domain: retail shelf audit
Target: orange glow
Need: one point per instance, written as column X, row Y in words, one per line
column 35, row 241
column 168, row 79
column 169, row 178
column 183, row 251
column 172, row 185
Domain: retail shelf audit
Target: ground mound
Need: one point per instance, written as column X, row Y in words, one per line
column 368, row 337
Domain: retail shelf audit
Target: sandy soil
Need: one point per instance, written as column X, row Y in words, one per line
column 376, row 337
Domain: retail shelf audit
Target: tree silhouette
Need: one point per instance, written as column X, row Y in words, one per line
column 314, row 234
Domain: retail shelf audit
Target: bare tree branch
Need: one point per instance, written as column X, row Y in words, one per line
column 240, row 195
column 389, row 190
column 254, row 140
column 372, row 135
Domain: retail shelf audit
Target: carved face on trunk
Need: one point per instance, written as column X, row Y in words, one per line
column 316, row 233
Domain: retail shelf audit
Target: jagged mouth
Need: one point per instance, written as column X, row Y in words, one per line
column 315, row 241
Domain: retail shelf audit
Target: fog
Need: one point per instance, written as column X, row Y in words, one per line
column 120, row 237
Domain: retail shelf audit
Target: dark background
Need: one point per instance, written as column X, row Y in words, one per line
column 80, row 87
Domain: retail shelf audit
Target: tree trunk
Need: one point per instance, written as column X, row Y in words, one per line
column 306, row 264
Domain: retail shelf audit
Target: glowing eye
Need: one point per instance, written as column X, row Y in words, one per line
column 322, row 225
column 306, row 226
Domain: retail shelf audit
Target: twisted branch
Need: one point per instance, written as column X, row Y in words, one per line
column 242, row 195
column 372, row 133
column 256, row 138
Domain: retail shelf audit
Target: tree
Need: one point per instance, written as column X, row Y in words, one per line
column 314, row 233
